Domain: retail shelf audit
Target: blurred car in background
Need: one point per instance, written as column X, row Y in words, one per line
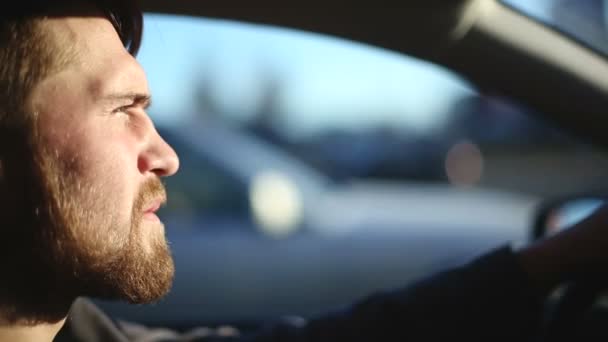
column 250, row 185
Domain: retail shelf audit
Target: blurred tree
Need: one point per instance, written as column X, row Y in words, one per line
column 267, row 115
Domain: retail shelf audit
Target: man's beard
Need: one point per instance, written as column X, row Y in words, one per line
column 67, row 241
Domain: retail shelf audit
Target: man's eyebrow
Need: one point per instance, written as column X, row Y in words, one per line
column 141, row 99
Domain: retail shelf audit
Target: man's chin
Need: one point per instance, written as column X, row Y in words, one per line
column 143, row 273
column 148, row 289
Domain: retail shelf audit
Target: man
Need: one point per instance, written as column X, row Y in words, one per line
column 79, row 212
column 80, row 169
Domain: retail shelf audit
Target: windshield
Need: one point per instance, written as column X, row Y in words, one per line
column 582, row 20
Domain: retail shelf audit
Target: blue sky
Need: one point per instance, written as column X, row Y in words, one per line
column 325, row 82
column 536, row 8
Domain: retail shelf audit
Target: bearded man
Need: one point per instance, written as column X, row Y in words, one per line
column 80, row 181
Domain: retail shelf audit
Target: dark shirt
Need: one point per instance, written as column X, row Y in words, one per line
column 490, row 298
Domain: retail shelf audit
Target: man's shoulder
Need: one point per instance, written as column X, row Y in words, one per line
column 87, row 322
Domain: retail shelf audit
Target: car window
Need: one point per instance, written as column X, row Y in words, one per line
column 203, row 191
column 343, row 111
column 586, row 21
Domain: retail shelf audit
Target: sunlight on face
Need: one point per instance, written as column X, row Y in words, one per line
column 101, row 160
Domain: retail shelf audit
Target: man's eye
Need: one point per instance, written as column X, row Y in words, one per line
column 122, row 109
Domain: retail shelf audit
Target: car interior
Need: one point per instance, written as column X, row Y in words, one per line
column 227, row 275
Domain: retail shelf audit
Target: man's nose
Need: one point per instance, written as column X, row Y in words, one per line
column 158, row 158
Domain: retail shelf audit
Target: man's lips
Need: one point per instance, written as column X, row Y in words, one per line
column 152, row 208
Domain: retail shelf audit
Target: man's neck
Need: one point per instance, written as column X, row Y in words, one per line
column 43, row 332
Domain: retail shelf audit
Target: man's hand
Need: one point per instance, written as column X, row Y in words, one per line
column 580, row 252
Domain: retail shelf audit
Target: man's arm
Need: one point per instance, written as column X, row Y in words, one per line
column 491, row 297
column 499, row 295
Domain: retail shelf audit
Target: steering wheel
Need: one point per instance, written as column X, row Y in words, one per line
column 567, row 315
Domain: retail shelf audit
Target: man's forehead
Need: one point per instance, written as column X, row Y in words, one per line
column 99, row 55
